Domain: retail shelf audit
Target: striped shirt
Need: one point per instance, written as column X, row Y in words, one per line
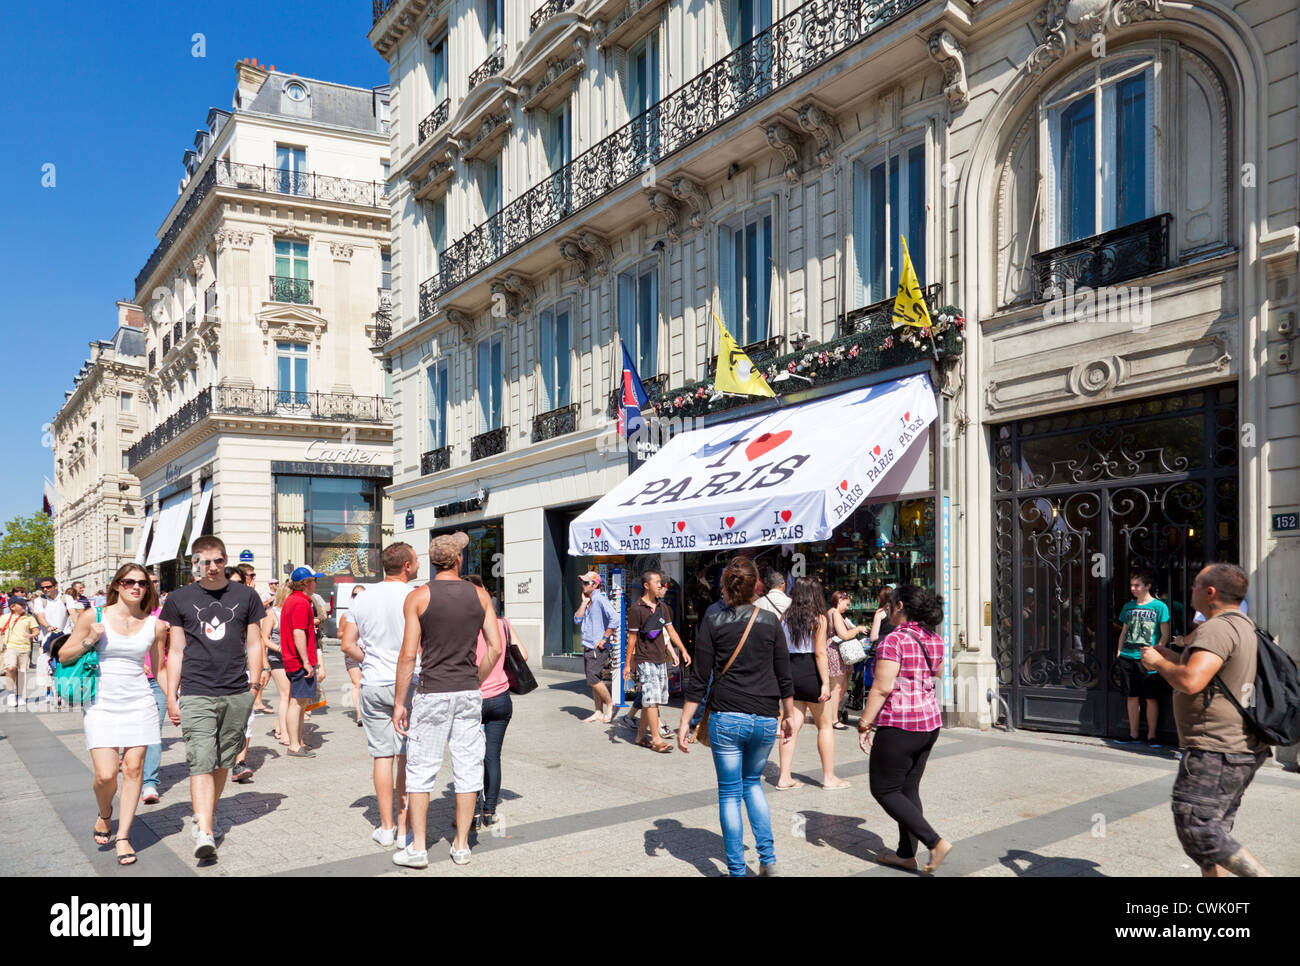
column 913, row 704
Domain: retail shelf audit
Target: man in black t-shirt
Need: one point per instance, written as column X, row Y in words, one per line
column 215, row 652
column 649, row 648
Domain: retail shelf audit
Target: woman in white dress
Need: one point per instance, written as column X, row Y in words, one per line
column 123, row 718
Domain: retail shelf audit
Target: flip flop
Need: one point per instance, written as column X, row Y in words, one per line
column 125, row 858
column 97, row 835
column 788, row 788
column 660, row 747
column 836, row 788
column 838, row 726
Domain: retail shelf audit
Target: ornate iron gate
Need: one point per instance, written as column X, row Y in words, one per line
column 1080, row 500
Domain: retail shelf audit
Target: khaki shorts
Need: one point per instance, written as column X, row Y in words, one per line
column 213, row 729
column 16, row 657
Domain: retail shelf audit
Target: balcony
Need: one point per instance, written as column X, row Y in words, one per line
column 379, row 8
column 557, row 422
column 760, row 354
column 435, row 461
column 255, row 177
column 294, row 291
column 210, row 301
column 236, row 401
column 191, row 316
column 488, row 444
column 153, row 359
column 167, row 343
column 1114, row 256
column 881, row 313
column 436, row 119
column 791, row 48
column 178, row 332
column 654, row 389
column 383, row 318
column 495, row 64
column 546, row 11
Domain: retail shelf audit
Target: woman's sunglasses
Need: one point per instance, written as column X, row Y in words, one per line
column 132, row 582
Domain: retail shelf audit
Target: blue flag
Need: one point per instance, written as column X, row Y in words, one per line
column 632, row 396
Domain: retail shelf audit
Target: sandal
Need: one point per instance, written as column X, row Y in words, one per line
column 662, row 747
column 98, row 835
column 840, row 726
column 124, row 858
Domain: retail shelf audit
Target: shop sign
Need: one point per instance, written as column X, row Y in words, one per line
column 319, row 451
column 410, row 519
column 172, row 472
column 455, row 508
column 245, row 556
column 1286, row 522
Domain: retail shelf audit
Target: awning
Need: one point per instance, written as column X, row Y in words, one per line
column 788, row 476
column 200, row 514
column 170, row 526
column 144, row 539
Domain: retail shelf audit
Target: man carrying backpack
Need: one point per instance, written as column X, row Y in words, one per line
column 1221, row 749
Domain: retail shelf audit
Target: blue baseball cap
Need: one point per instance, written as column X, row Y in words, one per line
column 303, row 573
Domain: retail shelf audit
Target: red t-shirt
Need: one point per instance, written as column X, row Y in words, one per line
column 297, row 614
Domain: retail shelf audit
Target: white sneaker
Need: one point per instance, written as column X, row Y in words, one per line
column 13, row 700
column 22, row 702
column 411, row 859
column 402, row 841
column 205, row 846
column 384, row 836
column 460, row 856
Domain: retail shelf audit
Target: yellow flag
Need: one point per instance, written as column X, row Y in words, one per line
column 909, row 306
column 736, row 374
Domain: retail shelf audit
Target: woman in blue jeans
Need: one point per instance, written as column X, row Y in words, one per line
column 744, row 650
column 497, row 711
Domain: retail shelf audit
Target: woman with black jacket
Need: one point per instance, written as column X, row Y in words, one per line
column 743, row 649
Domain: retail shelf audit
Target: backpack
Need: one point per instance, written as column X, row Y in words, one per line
column 76, row 683
column 1274, row 713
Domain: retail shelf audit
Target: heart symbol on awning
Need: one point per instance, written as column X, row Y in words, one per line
column 876, row 449
column 785, row 516
column 844, row 484
column 681, row 525
column 730, row 521
column 637, row 529
column 907, row 416
column 766, row 442
column 598, row 531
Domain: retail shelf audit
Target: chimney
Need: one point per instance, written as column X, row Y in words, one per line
column 129, row 314
column 249, row 77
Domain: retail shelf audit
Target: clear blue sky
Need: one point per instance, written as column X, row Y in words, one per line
column 110, row 93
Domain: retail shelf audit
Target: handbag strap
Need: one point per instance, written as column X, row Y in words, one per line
column 743, row 638
column 925, row 655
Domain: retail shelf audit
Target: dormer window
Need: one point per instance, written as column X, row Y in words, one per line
column 295, row 92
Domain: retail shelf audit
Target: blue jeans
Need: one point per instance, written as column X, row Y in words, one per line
column 496, row 719
column 153, row 754
column 741, row 744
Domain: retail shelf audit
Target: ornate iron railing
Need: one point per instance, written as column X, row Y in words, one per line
column 296, row 291
column 795, row 45
column 384, row 317
column 379, row 8
column 258, row 177
column 210, row 300
column 175, row 424
column 881, row 313
column 557, row 422
column 546, row 11
column 167, row 343
column 654, row 390
column 178, row 332
column 495, row 64
column 760, row 354
column 488, row 444
column 435, row 461
column 436, row 119
column 1133, row 251
column 153, row 359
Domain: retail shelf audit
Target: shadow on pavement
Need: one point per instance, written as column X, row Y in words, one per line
column 700, row 847
column 842, row 833
column 1031, row 864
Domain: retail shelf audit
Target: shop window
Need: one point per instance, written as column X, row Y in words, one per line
column 332, row 524
column 556, row 344
column 638, row 317
column 491, row 382
column 484, row 556
column 745, row 271
column 888, row 201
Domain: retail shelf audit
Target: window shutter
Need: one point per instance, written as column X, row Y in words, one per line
column 546, row 321
column 858, row 238
column 727, row 277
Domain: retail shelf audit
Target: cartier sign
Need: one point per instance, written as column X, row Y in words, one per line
column 319, row 450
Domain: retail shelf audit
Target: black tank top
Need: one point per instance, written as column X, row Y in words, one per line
column 449, row 630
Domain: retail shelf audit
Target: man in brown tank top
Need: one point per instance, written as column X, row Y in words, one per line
column 443, row 620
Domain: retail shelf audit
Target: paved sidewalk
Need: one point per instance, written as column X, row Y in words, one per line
column 580, row 798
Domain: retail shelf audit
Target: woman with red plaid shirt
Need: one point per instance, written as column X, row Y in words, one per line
column 903, row 714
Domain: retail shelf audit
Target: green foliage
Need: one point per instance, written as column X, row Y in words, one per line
column 27, row 546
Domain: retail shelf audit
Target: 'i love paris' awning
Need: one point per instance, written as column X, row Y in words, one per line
column 789, row 476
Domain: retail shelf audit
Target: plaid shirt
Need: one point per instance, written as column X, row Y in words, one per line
column 912, row 705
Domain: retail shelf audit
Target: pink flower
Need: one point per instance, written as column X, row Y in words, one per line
column 789, row 367
column 853, row 352
column 678, row 402
column 889, row 342
column 926, row 333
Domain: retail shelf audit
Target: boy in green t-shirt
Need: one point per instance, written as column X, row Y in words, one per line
column 1146, row 624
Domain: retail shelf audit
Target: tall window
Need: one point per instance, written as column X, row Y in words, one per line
column 559, row 152
column 128, row 539
column 436, row 392
column 643, row 92
column 127, row 402
column 888, row 201
column 291, row 370
column 556, row 345
column 494, row 18
column 491, row 382
column 638, row 317
column 436, row 218
column 291, row 284
column 438, row 70
column 291, row 170
column 490, row 185
column 385, row 270
column 746, row 19
column 1101, row 142
column 745, row 276
column 126, row 461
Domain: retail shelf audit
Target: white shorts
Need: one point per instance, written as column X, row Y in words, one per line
column 435, row 720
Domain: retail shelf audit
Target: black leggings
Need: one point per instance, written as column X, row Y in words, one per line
column 896, row 765
column 496, row 718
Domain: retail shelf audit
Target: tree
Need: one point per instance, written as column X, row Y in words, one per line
column 27, row 546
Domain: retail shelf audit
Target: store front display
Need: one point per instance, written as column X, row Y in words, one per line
column 484, row 555
column 335, row 525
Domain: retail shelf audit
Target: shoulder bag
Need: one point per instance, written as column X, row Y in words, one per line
column 518, row 673
column 702, row 735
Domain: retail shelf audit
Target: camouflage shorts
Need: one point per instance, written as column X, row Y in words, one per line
column 1206, row 796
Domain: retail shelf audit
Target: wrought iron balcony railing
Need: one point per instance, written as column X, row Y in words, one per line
column 210, row 300
column 258, row 177
column 488, row 444
column 882, row 313
column 295, row 291
column 435, row 461
column 153, row 359
column 379, row 8
column 436, row 119
column 1133, row 251
column 794, row 46
column 167, row 343
column 546, row 11
column 178, row 332
column 384, row 317
column 385, row 299
column 495, row 64
column 557, row 422
column 654, row 389
column 191, row 318
column 760, row 354
column 172, row 427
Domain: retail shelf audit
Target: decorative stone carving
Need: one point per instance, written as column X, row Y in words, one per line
column 684, row 189
column 570, row 250
column 463, row 324
column 196, row 265
column 1132, row 11
column 556, row 69
column 1064, row 24
column 1096, row 377
column 233, row 238
column 786, row 143
column 518, row 293
column 291, row 231
column 341, row 251
column 951, row 56
column 598, row 251
column 821, row 126
column 211, row 336
column 662, row 203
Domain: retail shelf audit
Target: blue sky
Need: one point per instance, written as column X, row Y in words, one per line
column 110, row 93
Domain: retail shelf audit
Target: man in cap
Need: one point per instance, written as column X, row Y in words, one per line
column 599, row 623
column 443, row 621
column 298, row 654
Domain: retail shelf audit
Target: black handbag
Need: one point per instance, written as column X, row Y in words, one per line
column 518, row 673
